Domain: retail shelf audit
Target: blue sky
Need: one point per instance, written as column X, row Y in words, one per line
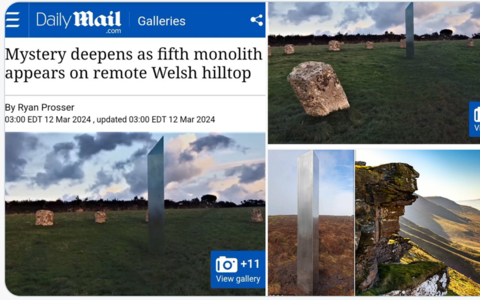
column 453, row 174
column 320, row 18
column 113, row 165
column 336, row 182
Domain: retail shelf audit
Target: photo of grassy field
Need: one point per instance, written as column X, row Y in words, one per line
column 392, row 100
column 76, row 212
column 339, row 74
column 78, row 257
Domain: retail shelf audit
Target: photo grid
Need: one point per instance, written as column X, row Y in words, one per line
column 241, row 149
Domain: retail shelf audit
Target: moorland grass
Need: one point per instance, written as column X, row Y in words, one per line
column 392, row 99
column 76, row 256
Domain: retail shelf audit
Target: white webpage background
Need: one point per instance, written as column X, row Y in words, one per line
column 5, row 294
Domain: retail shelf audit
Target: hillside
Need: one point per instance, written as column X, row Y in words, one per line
column 458, row 223
column 459, row 284
column 461, row 258
column 336, row 264
column 472, row 203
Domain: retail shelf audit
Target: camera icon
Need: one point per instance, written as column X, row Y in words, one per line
column 225, row 264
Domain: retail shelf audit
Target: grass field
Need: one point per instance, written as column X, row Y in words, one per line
column 79, row 257
column 392, row 100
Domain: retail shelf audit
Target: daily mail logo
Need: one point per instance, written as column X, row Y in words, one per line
column 81, row 19
column 474, row 119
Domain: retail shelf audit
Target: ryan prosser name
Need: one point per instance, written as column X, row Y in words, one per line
column 36, row 107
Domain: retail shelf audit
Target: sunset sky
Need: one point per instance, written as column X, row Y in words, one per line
column 320, row 18
column 54, row 166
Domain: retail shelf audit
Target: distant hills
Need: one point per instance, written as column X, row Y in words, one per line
column 446, row 229
column 473, row 203
column 444, row 217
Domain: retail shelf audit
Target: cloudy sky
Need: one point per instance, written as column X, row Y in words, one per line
column 453, row 174
column 113, row 165
column 336, row 182
column 320, row 18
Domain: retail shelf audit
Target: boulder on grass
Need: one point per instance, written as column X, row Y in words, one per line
column 403, row 43
column 334, row 46
column 146, row 216
column 470, row 42
column 289, row 49
column 100, row 217
column 369, row 45
column 256, row 216
column 44, row 218
column 317, row 88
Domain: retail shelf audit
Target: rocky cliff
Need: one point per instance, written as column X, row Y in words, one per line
column 381, row 195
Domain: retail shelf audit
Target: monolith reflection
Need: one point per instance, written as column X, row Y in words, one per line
column 307, row 222
column 156, row 209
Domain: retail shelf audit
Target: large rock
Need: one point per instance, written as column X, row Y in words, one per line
column 435, row 285
column 369, row 45
column 317, row 88
column 289, row 49
column 403, row 43
column 470, row 42
column 100, row 217
column 269, row 51
column 334, row 45
column 360, row 163
column 256, row 216
column 44, row 218
column 381, row 194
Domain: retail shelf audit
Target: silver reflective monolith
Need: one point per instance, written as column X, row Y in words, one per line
column 307, row 222
column 156, row 206
column 409, row 30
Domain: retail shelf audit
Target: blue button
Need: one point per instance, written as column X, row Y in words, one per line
column 237, row 269
column 474, row 119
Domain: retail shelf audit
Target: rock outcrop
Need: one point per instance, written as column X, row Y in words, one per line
column 256, row 216
column 403, row 43
column 289, row 49
column 470, row 42
column 381, row 195
column 334, row 46
column 317, row 88
column 436, row 285
column 44, row 218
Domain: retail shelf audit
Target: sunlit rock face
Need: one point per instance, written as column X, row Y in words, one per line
column 381, row 195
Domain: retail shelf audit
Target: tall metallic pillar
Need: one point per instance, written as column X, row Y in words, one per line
column 307, row 222
column 409, row 30
column 156, row 206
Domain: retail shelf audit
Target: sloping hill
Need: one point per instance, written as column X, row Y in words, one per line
column 445, row 203
column 471, row 203
column 456, row 207
column 461, row 258
column 459, row 284
column 460, row 224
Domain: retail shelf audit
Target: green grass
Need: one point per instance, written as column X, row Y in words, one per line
column 392, row 100
column 401, row 277
column 79, row 257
